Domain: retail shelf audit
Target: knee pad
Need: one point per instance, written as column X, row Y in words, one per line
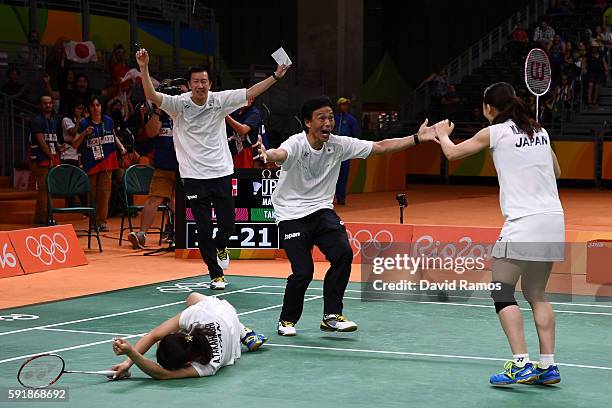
column 504, row 296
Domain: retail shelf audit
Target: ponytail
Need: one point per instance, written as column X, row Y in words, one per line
column 501, row 96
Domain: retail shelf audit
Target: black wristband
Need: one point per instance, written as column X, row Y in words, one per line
column 416, row 139
column 275, row 77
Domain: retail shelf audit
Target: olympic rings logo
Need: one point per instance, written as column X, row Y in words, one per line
column 17, row 316
column 368, row 245
column 48, row 249
column 267, row 173
column 183, row 287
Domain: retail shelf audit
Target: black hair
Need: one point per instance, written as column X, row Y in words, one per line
column 198, row 68
column 176, row 350
column 501, row 96
column 93, row 98
column 40, row 98
column 312, row 105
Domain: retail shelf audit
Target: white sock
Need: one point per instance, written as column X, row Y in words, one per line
column 521, row 359
column 244, row 331
column 546, row 360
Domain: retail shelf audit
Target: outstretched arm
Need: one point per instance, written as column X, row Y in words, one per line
column 424, row 134
column 142, row 58
column 144, row 344
column 478, row 142
column 274, row 155
column 263, row 86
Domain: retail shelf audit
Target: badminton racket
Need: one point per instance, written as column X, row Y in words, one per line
column 537, row 75
column 44, row 370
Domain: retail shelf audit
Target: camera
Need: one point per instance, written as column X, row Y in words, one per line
column 402, row 200
column 172, row 87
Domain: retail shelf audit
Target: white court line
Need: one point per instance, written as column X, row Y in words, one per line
column 85, row 332
column 120, row 313
column 406, row 353
column 475, row 305
column 466, row 297
column 66, row 349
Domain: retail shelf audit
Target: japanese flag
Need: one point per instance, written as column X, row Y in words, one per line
column 80, row 51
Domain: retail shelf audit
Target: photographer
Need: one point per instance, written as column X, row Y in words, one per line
column 158, row 127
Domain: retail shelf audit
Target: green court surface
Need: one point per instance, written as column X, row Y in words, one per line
column 419, row 353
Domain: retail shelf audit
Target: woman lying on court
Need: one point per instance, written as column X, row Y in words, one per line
column 533, row 234
column 195, row 343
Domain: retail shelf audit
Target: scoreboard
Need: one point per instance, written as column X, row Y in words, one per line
column 255, row 223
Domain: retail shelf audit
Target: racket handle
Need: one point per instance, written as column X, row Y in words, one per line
column 102, row 372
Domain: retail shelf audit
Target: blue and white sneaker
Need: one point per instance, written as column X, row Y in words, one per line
column 254, row 341
column 546, row 376
column 513, row 374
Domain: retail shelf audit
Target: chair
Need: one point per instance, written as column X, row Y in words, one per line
column 137, row 181
column 66, row 180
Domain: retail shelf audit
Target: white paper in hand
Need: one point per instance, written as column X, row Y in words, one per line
column 281, row 57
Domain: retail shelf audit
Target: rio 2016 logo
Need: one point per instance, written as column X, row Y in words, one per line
column 463, row 248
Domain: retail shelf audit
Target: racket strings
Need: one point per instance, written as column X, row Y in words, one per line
column 41, row 372
column 537, row 72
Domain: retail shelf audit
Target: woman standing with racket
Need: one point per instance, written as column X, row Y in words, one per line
column 533, row 234
column 195, row 343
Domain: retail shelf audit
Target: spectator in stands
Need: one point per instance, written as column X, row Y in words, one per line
column 438, row 84
column 44, row 153
column 518, row 41
column 118, row 67
column 159, row 127
column 98, row 146
column 555, row 55
column 14, row 87
column 596, row 72
column 474, row 121
column 607, row 17
column 55, row 95
column 81, row 92
column 32, row 54
column 562, row 99
column 345, row 125
column 450, row 102
column 243, row 128
column 57, row 65
column 544, row 35
column 70, row 155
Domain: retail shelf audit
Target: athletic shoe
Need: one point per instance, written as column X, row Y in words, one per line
column 253, row 341
column 286, row 328
column 218, row 283
column 103, row 227
column 513, row 374
column 223, row 258
column 546, row 376
column 137, row 239
column 337, row 322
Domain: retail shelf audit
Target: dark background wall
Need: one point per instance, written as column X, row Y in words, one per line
column 419, row 35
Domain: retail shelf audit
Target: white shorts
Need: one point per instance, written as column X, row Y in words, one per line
column 539, row 237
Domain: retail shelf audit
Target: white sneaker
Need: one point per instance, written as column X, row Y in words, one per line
column 286, row 328
column 138, row 239
column 337, row 323
column 218, row 283
column 223, row 258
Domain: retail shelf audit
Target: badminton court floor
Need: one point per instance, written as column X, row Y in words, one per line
column 417, row 352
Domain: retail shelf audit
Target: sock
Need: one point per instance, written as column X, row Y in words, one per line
column 546, row 360
column 244, row 332
column 521, row 359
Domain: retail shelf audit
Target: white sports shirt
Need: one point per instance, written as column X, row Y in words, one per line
column 307, row 181
column 200, row 135
column 525, row 171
